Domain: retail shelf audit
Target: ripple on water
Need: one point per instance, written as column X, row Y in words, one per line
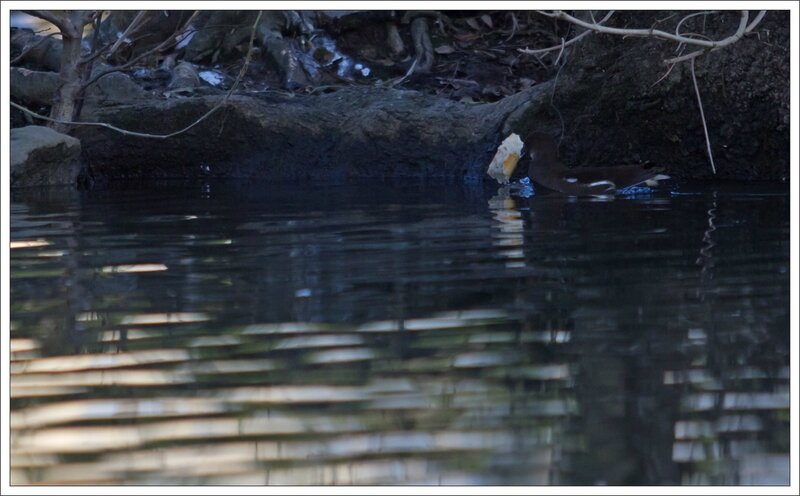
column 395, row 335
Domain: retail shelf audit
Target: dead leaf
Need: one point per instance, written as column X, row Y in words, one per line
column 487, row 19
column 473, row 23
column 467, row 36
column 444, row 49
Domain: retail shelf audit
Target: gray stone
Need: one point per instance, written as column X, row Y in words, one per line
column 38, row 87
column 41, row 156
column 116, row 87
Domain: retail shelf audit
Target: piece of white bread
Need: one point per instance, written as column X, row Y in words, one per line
column 506, row 158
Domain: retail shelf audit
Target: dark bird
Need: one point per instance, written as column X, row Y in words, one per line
column 546, row 169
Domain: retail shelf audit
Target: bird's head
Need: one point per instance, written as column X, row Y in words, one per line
column 541, row 148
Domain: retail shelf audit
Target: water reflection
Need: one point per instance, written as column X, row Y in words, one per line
column 391, row 336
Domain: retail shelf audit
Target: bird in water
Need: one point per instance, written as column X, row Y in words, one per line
column 546, row 169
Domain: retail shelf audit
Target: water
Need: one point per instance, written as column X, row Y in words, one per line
column 399, row 335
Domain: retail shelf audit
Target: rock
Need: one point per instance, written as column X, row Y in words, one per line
column 38, row 87
column 42, row 53
column 33, row 87
column 41, row 156
column 184, row 78
column 113, row 88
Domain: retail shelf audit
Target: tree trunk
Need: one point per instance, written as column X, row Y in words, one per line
column 65, row 103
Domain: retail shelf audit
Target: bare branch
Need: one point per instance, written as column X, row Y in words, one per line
column 703, row 118
column 706, row 44
column 135, row 24
column 126, row 132
column 408, row 73
column 28, row 49
column 756, row 21
column 61, row 22
column 657, row 33
column 173, row 39
column 697, row 53
column 672, row 66
column 688, row 56
column 695, row 14
column 561, row 52
column 570, row 42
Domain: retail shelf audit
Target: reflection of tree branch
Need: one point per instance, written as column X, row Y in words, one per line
column 126, row 132
column 705, row 259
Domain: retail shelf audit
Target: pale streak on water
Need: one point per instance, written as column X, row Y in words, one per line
column 387, row 335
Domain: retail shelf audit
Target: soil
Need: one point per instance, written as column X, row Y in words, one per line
column 607, row 99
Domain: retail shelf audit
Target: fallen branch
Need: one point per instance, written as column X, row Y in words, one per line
column 126, row 132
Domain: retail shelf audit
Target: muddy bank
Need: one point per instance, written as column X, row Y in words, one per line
column 617, row 106
column 350, row 133
column 608, row 98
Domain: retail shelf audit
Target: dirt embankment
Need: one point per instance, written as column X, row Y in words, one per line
column 607, row 97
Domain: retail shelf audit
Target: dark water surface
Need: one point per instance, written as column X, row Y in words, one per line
column 228, row 334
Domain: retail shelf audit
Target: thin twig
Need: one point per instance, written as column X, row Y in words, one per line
column 410, row 72
column 697, row 53
column 135, row 24
column 688, row 56
column 161, row 136
column 656, row 33
column 514, row 27
column 570, row 42
column 695, row 14
column 28, row 49
column 703, row 117
column 176, row 37
column 560, row 53
column 672, row 66
column 553, row 96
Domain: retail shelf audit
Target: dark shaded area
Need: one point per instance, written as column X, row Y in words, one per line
column 615, row 111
